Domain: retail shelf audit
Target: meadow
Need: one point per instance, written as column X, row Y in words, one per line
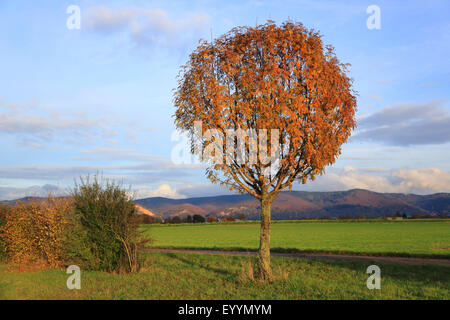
column 374, row 237
column 183, row 275
column 208, row 276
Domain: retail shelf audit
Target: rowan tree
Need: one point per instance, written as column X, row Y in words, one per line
column 253, row 80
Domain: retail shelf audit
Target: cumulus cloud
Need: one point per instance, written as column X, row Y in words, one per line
column 163, row 190
column 407, row 124
column 418, row 181
column 144, row 26
column 422, row 180
column 170, row 183
column 182, row 191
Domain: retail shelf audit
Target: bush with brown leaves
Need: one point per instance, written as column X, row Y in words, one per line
column 34, row 232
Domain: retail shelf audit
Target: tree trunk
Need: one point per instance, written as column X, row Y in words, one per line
column 265, row 271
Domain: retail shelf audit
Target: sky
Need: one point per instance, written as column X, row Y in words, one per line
column 99, row 98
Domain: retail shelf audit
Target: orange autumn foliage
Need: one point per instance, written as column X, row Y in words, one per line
column 34, row 233
column 269, row 77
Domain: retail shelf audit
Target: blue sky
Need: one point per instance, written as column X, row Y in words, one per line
column 99, row 99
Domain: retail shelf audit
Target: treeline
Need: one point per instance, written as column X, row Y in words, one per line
column 145, row 219
column 397, row 215
column 96, row 228
column 196, row 218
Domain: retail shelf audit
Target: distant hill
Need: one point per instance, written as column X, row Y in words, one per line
column 142, row 210
column 297, row 204
column 302, row 204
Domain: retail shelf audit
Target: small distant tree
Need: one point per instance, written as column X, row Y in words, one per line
column 189, row 218
column 211, row 219
column 146, row 219
column 107, row 212
column 241, row 217
column 176, row 219
column 229, row 218
column 198, row 218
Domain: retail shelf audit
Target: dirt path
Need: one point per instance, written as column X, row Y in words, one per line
column 401, row 260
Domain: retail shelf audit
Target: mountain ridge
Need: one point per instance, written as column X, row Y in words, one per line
column 305, row 204
column 296, row 205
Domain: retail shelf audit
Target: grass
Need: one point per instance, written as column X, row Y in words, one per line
column 206, row 276
column 397, row 238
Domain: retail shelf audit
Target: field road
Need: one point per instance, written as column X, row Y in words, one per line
column 401, row 260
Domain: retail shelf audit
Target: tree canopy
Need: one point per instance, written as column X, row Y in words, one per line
column 256, row 79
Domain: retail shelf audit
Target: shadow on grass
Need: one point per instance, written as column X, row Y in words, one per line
column 431, row 274
column 362, row 253
column 192, row 263
column 309, row 251
column 439, row 275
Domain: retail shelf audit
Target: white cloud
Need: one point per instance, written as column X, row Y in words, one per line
column 145, row 26
column 403, row 180
column 163, row 190
column 419, row 181
column 423, row 180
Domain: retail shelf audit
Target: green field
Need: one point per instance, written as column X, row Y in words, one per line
column 405, row 238
column 168, row 275
column 206, row 276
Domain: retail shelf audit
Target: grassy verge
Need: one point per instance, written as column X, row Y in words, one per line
column 200, row 276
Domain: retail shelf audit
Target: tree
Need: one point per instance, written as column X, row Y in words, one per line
column 175, row 219
column 229, row 218
column 258, row 84
column 198, row 218
column 211, row 219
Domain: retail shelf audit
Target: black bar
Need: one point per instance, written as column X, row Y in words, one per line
column 226, row 309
